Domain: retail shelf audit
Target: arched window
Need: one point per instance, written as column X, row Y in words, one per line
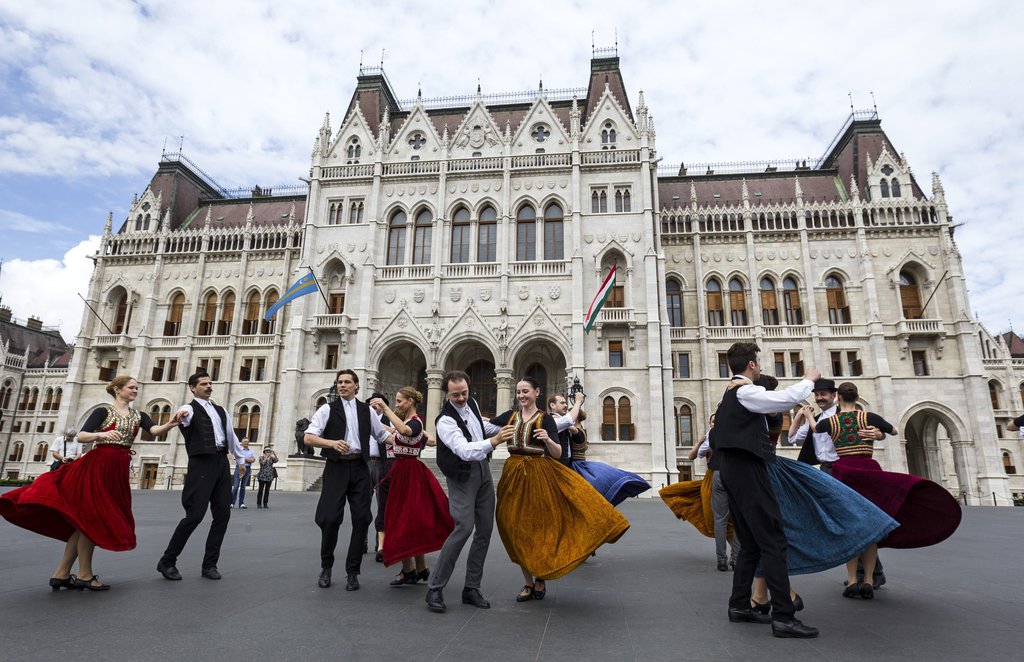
column 460, row 236
column 48, row 399
column 334, row 213
column 617, row 297
column 526, row 234
column 737, row 303
column 355, row 212
column 5, row 395
column 227, row 314
column 625, row 420
column 122, row 316
column 884, row 185
column 608, row 419
column 58, row 393
column 172, row 325
column 320, row 402
column 716, row 310
column 674, row 299
column 910, row 296
column 835, row 296
column 616, row 419
column 554, row 241
column 34, row 400
column 138, row 223
column 247, row 422
column 208, row 321
column 17, row 452
column 769, row 304
column 791, row 299
column 353, row 151
column 684, row 426
column 396, row 238
column 895, row 187
column 487, row 243
column 608, row 136
column 40, row 454
column 1008, row 465
column 251, row 319
column 23, row 402
column 267, row 326
column 422, row 238
column 993, row 393
column 160, row 414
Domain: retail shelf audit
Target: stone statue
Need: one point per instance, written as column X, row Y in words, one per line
column 300, row 432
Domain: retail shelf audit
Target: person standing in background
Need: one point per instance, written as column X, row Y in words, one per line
column 243, row 465
column 265, row 476
column 65, row 449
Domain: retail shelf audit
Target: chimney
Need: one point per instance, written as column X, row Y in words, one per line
column 5, row 314
column 34, row 323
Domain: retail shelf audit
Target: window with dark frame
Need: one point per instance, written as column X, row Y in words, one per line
column 615, row 358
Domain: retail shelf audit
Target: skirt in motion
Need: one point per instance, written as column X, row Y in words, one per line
column 691, row 500
column 416, row 516
column 549, row 518
column 927, row 512
column 616, row 485
column 91, row 494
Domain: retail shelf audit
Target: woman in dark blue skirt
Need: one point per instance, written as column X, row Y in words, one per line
column 614, row 484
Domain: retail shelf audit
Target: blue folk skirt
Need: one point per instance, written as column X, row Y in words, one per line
column 615, row 485
column 826, row 522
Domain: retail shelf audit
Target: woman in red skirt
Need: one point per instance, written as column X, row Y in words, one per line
column 88, row 502
column 417, row 518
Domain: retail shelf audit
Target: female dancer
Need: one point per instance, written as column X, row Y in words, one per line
column 927, row 513
column 613, row 483
column 416, row 516
column 88, row 502
column 549, row 518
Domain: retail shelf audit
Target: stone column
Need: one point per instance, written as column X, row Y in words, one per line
column 435, row 396
column 505, row 381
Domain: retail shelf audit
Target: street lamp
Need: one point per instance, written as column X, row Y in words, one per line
column 575, row 389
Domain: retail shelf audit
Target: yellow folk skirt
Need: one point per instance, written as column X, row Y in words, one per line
column 550, row 518
column 691, row 501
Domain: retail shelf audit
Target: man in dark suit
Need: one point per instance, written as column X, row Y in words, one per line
column 209, row 437
column 342, row 430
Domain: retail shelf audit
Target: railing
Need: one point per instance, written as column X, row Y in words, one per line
column 541, row 161
column 331, row 321
column 617, row 315
column 926, row 327
column 469, row 269
column 210, row 341
column 841, row 330
column 405, row 271
column 681, row 333
column 12, row 361
column 412, row 168
column 341, row 172
column 495, row 99
column 262, row 340
column 854, row 115
column 999, row 363
column 734, row 167
column 541, row 268
column 170, row 341
column 793, row 331
column 475, row 164
column 110, row 340
column 608, row 156
column 721, row 332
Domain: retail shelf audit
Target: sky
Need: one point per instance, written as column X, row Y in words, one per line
column 92, row 91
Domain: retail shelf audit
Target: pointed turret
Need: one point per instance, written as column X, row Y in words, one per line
column 938, row 193
column 109, row 225
column 854, row 189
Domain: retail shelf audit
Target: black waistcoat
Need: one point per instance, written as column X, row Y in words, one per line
column 738, row 428
column 199, row 439
column 450, row 464
column 337, row 428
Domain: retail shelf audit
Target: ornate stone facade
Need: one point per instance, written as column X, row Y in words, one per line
column 474, row 235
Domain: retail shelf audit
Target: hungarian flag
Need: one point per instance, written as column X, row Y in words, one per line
column 598, row 303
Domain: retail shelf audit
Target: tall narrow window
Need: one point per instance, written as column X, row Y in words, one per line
column 247, row 423
column 251, row 320
column 895, row 187
column 423, row 237
column 172, row 325
column 723, row 365
column 791, row 298
column 48, row 399
column 57, row 395
column 208, row 321
column 355, row 212
column 34, row 400
column 267, row 326
column 526, row 234
column 716, row 311
column 227, row 315
column 835, row 295
column 460, row 236
column 796, row 364
column 353, row 152
column 993, row 390
column 737, row 303
column 682, row 365
column 615, row 354
column 121, row 316
column 854, row 364
column 554, row 248
column 684, row 426
column 595, row 203
column 336, row 303
column 487, row 243
column 884, row 186
column 625, row 419
column 769, row 305
column 617, row 297
column 396, row 238
column 674, row 300
column 920, row 360
column 910, row 296
column 608, row 419
column 837, row 363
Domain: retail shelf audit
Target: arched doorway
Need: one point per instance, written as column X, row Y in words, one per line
column 473, row 357
column 402, row 364
column 930, row 439
column 543, row 361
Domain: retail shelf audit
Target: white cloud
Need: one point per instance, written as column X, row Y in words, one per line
column 13, row 221
column 48, row 289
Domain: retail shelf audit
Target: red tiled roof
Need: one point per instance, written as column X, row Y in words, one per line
column 232, row 213
column 817, row 186
column 41, row 344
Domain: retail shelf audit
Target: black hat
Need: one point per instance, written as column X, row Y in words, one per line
column 824, row 384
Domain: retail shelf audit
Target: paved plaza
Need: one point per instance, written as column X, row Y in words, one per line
column 654, row 595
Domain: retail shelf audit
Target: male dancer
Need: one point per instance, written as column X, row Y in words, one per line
column 565, row 421
column 463, row 455
column 209, row 436
column 342, row 430
column 741, row 442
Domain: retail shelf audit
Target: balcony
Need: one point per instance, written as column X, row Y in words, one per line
column 791, row 331
column 263, row 340
column 541, row 268
column 541, row 161
column 332, row 322
column 920, row 328
column 210, row 341
column 347, row 171
column 841, row 330
column 404, row 271
column 730, row 332
column 617, row 316
column 611, row 157
column 169, row 341
column 469, row 269
column 114, row 340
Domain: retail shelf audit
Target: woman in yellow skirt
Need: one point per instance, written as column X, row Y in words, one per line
column 549, row 517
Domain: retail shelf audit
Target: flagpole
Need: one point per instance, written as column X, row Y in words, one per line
column 95, row 313
column 318, row 288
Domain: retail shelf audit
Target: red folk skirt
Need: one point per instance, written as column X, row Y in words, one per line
column 91, row 494
column 416, row 518
column 927, row 512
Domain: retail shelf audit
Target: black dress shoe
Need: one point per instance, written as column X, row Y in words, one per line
column 435, row 602
column 325, row 578
column 168, row 571
column 472, row 596
column 211, row 573
column 723, row 566
column 748, row 615
column 866, row 591
column 760, row 608
column 793, row 629
column 877, row 580
column 352, row 583
column 379, row 556
column 798, row 603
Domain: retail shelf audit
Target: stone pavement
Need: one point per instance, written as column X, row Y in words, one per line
column 654, row 595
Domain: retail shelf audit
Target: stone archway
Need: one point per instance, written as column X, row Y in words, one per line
column 402, row 364
column 545, row 362
column 474, row 358
column 936, row 449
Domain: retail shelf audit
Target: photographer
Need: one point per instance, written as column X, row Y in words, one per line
column 65, row 449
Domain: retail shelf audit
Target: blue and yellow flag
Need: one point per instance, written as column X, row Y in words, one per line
column 301, row 287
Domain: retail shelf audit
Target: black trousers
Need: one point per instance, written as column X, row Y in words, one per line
column 379, row 468
column 263, row 492
column 207, row 483
column 344, row 481
column 758, row 525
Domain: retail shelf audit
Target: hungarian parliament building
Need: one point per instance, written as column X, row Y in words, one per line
column 473, row 232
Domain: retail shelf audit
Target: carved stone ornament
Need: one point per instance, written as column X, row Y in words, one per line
column 418, row 294
column 402, row 322
column 554, row 291
column 389, row 296
column 455, row 293
column 350, row 246
column 485, row 293
column 524, row 292
column 589, row 238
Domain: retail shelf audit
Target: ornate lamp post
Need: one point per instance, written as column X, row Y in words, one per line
column 575, row 389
